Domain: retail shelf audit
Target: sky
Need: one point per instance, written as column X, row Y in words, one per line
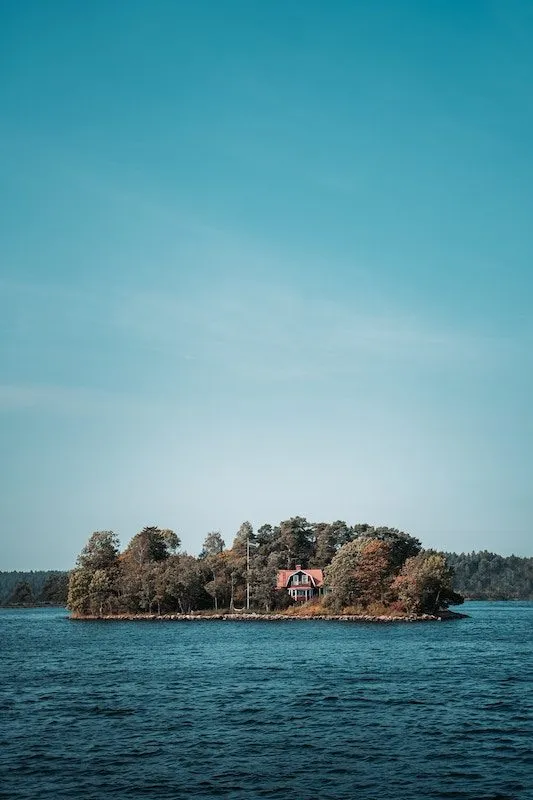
column 265, row 259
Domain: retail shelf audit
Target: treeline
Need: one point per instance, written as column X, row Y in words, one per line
column 33, row 588
column 477, row 575
column 365, row 566
column 487, row 576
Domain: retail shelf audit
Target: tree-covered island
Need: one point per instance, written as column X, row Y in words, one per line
column 365, row 571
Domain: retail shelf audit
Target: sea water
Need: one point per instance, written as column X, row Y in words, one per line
column 209, row 709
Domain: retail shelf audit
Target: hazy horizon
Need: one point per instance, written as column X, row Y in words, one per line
column 261, row 260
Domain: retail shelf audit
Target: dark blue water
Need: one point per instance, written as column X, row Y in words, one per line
column 250, row 710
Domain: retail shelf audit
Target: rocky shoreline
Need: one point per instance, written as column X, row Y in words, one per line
column 253, row 617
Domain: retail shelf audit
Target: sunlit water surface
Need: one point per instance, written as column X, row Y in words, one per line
column 273, row 709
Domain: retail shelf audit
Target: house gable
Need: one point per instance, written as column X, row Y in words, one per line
column 301, row 584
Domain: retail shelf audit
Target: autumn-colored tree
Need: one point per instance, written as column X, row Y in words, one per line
column 373, row 570
column 402, row 545
column 362, row 570
column 425, row 583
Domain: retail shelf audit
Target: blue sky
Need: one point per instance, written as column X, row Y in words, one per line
column 265, row 259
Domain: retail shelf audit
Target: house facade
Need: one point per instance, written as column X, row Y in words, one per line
column 301, row 584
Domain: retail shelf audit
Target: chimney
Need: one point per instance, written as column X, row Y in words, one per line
column 298, row 566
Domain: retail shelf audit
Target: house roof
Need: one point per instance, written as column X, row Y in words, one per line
column 316, row 577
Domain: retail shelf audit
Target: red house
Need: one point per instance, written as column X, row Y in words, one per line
column 301, row 584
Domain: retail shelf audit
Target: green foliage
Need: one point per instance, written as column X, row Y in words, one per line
column 487, row 576
column 425, row 583
column 100, row 590
column 79, row 598
column 327, row 538
column 219, row 584
column 92, row 584
column 100, row 552
column 402, row 545
column 382, row 564
column 151, row 544
column 184, row 584
column 294, row 543
column 46, row 586
column 365, row 567
column 22, row 594
column 213, row 544
column 263, row 576
column 55, row 589
column 341, row 574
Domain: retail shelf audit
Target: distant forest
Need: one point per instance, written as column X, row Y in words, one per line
column 33, row 588
column 478, row 576
column 488, row 576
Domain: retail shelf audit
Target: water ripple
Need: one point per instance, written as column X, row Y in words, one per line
column 342, row 712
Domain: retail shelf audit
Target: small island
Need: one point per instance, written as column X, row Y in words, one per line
column 291, row 571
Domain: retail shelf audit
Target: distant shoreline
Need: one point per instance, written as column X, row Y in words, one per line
column 33, row 605
column 251, row 617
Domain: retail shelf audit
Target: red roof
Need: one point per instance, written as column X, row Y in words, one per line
column 316, row 577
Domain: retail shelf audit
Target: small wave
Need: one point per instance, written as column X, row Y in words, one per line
column 113, row 712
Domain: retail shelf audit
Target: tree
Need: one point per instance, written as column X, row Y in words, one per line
column 328, row 537
column 239, row 561
column 488, row 576
column 140, row 580
column 55, row 589
column 295, row 542
column 324, row 545
column 244, row 535
column 96, row 567
column 22, row 594
column 100, row 552
column 402, row 545
column 99, row 591
column 340, row 576
column 425, row 583
column 219, row 586
column 172, row 540
column 151, row 544
column 263, row 582
column 78, row 600
column 373, row 570
column 362, row 570
column 185, row 577
column 213, row 544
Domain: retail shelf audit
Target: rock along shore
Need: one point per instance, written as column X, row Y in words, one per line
column 252, row 617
